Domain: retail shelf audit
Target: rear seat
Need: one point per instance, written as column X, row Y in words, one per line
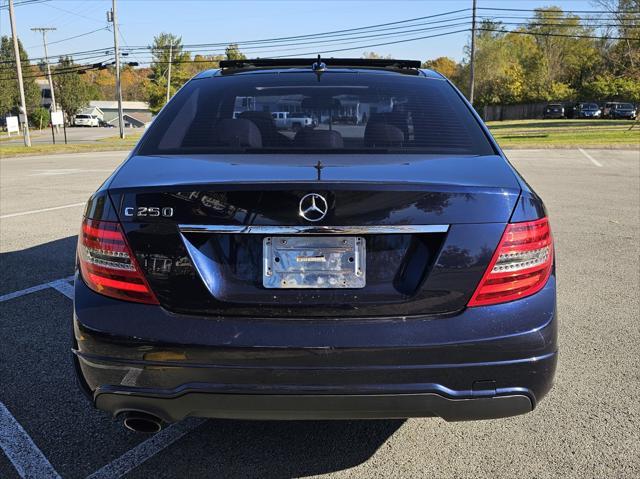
column 240, row 132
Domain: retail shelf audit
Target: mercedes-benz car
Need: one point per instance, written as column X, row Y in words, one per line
column 394, row 266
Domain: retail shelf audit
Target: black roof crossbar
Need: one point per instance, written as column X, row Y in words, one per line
column 329, row 62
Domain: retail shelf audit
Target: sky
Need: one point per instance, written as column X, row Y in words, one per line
column 206, row 21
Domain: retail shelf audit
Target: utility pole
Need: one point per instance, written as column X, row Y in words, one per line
column 169, row 72
column 114, row 19
column 44, row 31
column 16, row 51
column 472, row 69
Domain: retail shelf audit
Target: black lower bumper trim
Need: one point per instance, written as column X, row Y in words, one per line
column 314, row 406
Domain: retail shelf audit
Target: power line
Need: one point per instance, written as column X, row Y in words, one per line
column 21, row 3
column 323, row 35
column 70, row 12
column 566, row 25
column 395, row 29
column 349, row 40
column 64, row 71
column 288, row 50
column 76, row 36
column 562, row 11
column 538, row 34
column 279, row 39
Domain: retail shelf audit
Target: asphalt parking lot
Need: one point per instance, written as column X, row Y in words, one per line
column 589, row 425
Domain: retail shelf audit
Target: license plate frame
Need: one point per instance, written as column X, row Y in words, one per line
column 314, row 262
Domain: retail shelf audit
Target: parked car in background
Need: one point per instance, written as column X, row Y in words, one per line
column 392, row 269
column 587, row 110
column 619, row 110
column 291, row 121
column 553, row 110
column 86, row 120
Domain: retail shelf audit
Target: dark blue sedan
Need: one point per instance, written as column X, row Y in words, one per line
column 394, row 265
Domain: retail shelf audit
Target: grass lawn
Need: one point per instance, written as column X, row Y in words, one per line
column 104, row 144
column 566, row 133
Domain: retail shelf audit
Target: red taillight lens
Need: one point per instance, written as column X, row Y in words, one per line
column 108, row 265
column 520, row 266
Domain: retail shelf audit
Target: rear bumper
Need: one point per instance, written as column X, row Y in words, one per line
column 481, row 363
column 173, row 407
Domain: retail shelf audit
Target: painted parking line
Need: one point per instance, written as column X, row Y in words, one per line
column 20, row 449
column 63, row 286
column 30, row 462
column 590, row 158
column 43, row 210
column 60, row 285
column 147, row 449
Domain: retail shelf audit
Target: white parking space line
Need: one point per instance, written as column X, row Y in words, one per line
column 43, row 210
column 147, row 449
column 590, row 158
column 20, row 449
column 60, row 285
column 63, row 286
column 69, row 171
column 22, row 292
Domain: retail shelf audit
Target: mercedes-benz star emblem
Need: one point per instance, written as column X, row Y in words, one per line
column 313, row 207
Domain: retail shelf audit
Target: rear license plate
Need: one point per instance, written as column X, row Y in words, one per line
column 314, row 262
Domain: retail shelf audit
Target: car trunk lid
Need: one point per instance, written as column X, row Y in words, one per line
column 198, row 227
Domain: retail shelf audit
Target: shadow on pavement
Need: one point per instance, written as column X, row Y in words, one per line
column 274, row 449
column 38, row 264
column 39, row 389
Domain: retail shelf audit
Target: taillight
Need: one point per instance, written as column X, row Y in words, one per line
column 520, row 266
column 108, row 265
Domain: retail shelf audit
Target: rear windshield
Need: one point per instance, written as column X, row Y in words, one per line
column 589, row 106
column 83, row 116
column 301, row 112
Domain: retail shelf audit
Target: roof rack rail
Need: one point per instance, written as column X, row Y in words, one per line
column 329, row 62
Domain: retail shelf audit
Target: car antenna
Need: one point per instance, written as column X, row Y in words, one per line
column 319, row 67
column 319, row 168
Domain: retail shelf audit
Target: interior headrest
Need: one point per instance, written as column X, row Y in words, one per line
column 240, row 132
column 308, row 138
column 382, row 134
column 255, row 115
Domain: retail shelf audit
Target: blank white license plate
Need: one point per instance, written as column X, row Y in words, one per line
column 314, row 262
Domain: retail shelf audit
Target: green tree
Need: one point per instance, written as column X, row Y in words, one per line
column 444, row 65
column 203, row 62
column 39, row 117
column 609, row 87
column 9, row 94
column 232, row 52
column 623, row 56
column 166, row 46
column 72, row 92
column 569, row 60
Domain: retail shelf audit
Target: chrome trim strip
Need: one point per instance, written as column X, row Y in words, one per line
column 314, row 229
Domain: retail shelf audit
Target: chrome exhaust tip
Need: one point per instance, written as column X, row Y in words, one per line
column 142, row 422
